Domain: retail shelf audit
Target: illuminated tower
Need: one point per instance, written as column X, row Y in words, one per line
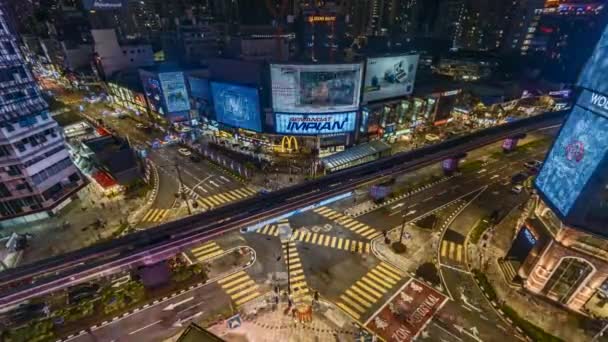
column 561, row 247
column 36, row 172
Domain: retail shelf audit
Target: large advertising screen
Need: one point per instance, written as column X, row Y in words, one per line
column 153, row 93
column 315, row 124
column 319, row 88
column 200, row 93
column 574, row 157
column 387, row 77
column 236, row 105
column 174, row 89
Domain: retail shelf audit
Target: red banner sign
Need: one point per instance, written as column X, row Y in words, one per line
column 407, row 313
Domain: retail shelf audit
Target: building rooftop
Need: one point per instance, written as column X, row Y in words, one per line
column 195, row 333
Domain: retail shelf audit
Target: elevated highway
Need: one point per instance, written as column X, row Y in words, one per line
column 163, row 241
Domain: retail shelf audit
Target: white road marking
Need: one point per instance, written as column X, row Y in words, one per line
column 494, row 177
column 224, row 178
column 428, row 199
column 482, row 171
column 173, row 305
column 214, row 184
column 145, row 327
column 397, row 206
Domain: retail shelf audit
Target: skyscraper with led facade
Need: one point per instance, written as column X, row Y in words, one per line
column 560, row 249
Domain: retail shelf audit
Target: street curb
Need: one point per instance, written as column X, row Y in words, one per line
column 134, row 219
column 395, row 199
column 378, row 239
column 165, row 298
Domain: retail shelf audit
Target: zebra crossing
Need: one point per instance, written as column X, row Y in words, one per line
column 369, row 290
column 452, row 251
column 348, row 222
column 272, row 229
column 206, row 251
column 214, row 201
column 333, row 242
column 299, row 288
column 240, row 287
column 155, row 215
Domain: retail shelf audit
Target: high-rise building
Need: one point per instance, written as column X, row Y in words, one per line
column 561, row 35
column 474, row 24
column 36, row 172
column 560, row 245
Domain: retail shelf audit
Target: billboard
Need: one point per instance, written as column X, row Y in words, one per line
column 574, row 157
column 200, row 93
column 153, row 93
column 319, row 88
column 174, row 89
column 387, row 77
column 315, row 124
column 100, row 5
column 236, row 105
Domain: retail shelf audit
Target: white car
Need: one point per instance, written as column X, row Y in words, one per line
column 184, row 152
column 517, row 189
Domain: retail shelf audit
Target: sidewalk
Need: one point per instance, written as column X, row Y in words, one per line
column 544, row 314
column 268, row 323
column 89, row 219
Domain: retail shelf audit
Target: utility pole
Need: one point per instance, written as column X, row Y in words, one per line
column 402, row 228
column 181, row 185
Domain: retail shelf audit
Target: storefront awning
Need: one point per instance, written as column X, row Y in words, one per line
column 351, row 156
column 104, row 179
column 102, row 131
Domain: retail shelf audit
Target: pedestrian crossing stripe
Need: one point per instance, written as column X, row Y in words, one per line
column 210, row 202
column 348, row 222
column 369, row 289
column 299, row 288
column 207, row 251
column 269, row 229
column 452, row 250
column 333, row 242
column 240, row 287
column 155, row 215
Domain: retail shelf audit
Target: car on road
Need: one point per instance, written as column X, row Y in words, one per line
column 519, row 178
column 533, row 164
column 517, row 189
column 195, row 159
column 184, row 152
column 139, row 125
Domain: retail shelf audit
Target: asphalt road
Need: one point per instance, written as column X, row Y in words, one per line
column 202, row 181
column 338, row 273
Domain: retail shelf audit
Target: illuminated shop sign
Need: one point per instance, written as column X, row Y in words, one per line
column 595, row 101
column 321, row 19
column 314, row 124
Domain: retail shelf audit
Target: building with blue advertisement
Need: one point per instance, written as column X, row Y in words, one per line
column 560, row 249
column 166, row 91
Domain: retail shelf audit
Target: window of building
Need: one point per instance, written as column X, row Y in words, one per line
column 52, row 170
column 9, row 48
column 4, row 151
column 568, row 276
column 13, row 170
column 4, row 192
column 20, row 146
column 27, row 121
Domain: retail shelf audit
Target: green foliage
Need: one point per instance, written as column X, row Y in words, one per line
column 480, row 228
column 185, row 272
column 34, row 331
column 471, row 166
column 535, row 333
column 485, row 284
